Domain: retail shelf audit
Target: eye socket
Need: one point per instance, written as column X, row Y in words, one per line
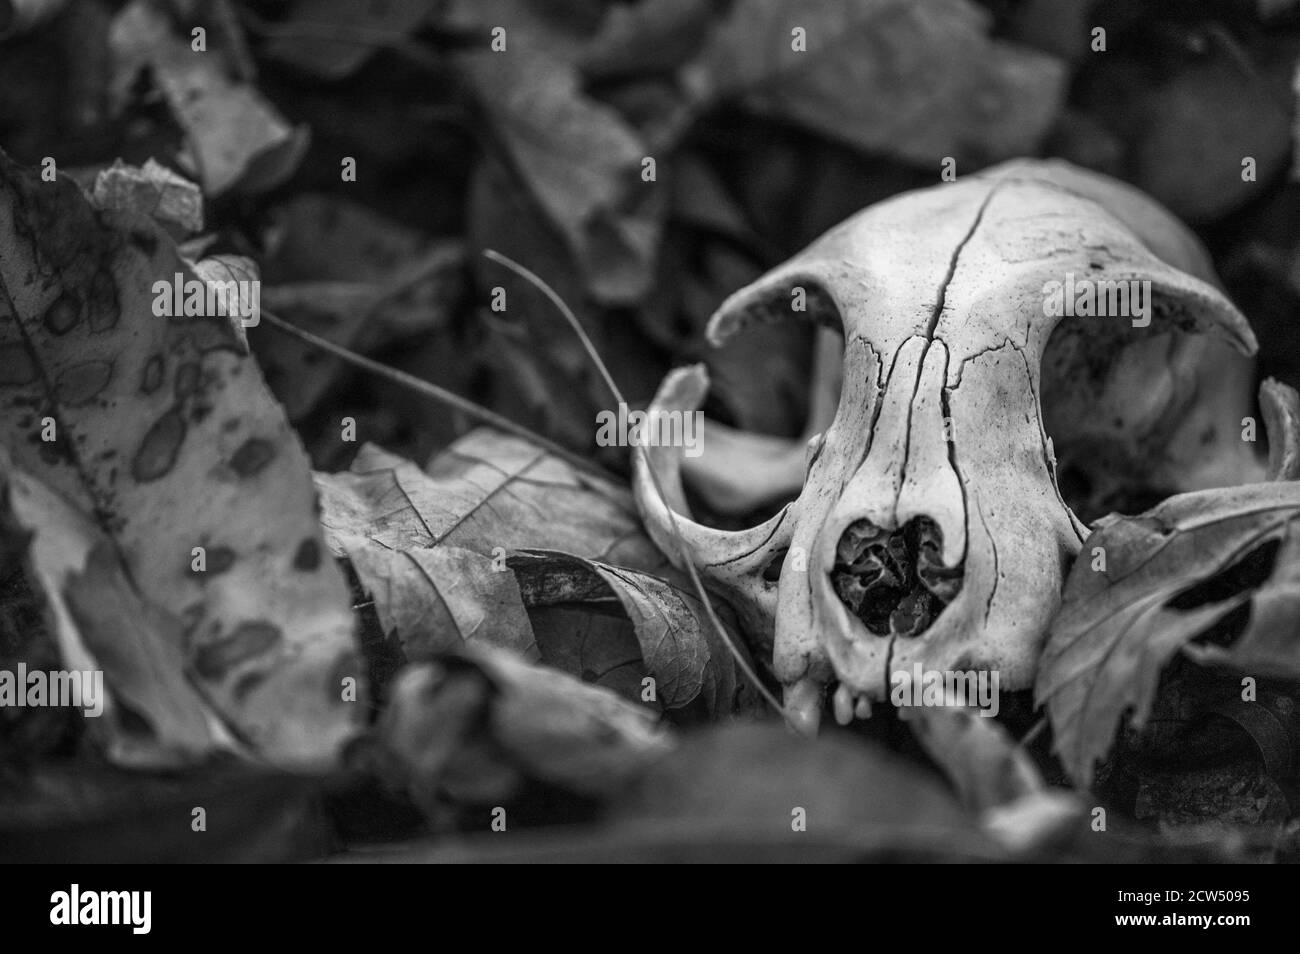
column 1109, row 401
column 770, row 373
column 773, row 385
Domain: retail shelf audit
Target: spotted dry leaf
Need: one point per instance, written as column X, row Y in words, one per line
column 167, row 435
column 149, row 714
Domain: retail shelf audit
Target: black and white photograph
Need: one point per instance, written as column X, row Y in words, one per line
column 651, row 432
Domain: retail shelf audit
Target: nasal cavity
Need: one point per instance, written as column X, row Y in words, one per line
column 894, row 580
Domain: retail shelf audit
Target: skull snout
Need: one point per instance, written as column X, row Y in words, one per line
column 894, row 579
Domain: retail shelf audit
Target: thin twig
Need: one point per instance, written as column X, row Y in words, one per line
column 443, row 396
column 682, row 550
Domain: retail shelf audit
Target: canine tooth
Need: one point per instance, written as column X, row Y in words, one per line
column 803, row 705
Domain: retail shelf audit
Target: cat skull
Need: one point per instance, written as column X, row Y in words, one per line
column 995, row 333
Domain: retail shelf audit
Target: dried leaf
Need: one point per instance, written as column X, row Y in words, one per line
column 233, row 133
column 1230, row 112
column 651, row 36
column 978, row 756
column 680, row 648
column 242, row 310
column 333, row 39
column 1270, row 644
column 434, row 599
column 151, row 189
column 565, row 732
column 1169, row 576
column 1280, row 405
column 494, row 495
column 993, row 776
column 166, row 434
column 102, row 623
column 430, row 547
column 597, row 646
column 474, row 729
column 488, row 493
column 919, row 81
column 580, row 161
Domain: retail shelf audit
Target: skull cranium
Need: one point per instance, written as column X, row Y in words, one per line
column 928, row 523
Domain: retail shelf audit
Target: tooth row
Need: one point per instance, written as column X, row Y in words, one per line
column 847, row 706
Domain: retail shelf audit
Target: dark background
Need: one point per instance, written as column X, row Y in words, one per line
column 1182, row 92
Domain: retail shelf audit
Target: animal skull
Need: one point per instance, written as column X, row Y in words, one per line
column 928, row 523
